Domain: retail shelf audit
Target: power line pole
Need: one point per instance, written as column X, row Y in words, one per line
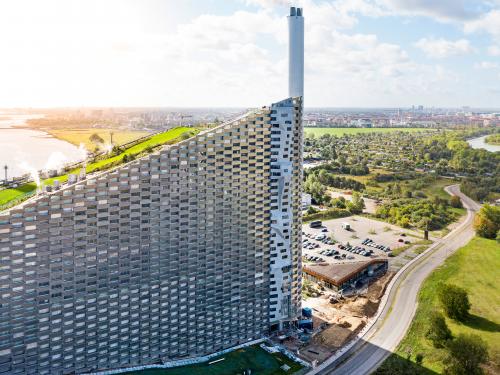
column 5, row 167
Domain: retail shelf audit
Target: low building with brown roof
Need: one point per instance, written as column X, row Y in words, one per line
column 343, row 275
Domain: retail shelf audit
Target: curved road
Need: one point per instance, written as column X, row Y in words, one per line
column 390, row 328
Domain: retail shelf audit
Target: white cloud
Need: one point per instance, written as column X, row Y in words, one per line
column 443, row 10
column 486, row 65
column 489, row 23
column 494, row 50
column 442, row 48
column 237, row 59
column 269, row 3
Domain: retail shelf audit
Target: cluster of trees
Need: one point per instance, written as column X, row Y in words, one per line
column 466, row 353
column 328, row 214
column 331, row 180
column 480, row 187
column 493, row 139
column 423, row 214
column 487, row 222
column 342, row 167
column 442, row 152
column 338, row 207
column 387, row 177
column 316, row 189
column 316, row 185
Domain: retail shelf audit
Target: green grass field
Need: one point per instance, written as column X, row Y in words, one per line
column 154, row 141
column 254, row 358
column 475, row 268
column 8, row 195
column 172, row 136
column 349, row 131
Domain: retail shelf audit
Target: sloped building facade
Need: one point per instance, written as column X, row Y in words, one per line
column 187, row 251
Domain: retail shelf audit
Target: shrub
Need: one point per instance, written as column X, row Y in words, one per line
column 454, row 301
column 466, row 354
column 487, row 221
column 438, row 333
column 332, row 213
column 419, row 358
column 311, row 210
column 455, row 202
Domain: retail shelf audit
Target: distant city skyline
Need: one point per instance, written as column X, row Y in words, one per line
column 154, row 53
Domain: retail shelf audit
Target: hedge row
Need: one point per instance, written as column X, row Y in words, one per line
column 331, row 213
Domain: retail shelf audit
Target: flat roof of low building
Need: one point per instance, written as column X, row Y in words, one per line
column 338, row 273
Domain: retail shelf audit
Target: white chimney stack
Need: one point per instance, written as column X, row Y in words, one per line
column 295, row 53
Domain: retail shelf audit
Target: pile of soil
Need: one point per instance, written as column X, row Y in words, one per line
column 333, row 337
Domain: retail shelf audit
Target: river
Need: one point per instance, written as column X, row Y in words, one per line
column 480, row 142
column 25, row 150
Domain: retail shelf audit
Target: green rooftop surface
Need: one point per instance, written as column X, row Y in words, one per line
column 14, row 196
column 253, row 357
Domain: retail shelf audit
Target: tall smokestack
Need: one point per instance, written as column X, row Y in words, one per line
column 295, row 53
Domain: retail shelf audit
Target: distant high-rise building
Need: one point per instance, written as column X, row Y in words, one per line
column 183, row 252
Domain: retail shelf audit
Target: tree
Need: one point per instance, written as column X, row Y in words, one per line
column 96, row 139
column 454, row 301
column 315, row 188
column 487, row 221
column 455, row 202
column 357, row 204
column 311, row 210
column 438, row 333
column 466, row 354
column 339, row 202
column 424, row 223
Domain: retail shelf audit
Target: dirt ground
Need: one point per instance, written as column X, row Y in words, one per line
column 341, row 320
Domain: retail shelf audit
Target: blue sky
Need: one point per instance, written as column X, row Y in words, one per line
column 221, row 53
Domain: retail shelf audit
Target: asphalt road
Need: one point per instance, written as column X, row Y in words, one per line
column 385, row 335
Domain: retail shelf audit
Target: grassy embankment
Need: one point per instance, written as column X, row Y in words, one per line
column 475, row 268
column 253, row 358
column 349, row 131
column 172, row 136
column 79, row 136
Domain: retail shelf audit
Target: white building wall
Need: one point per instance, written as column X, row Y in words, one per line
column 286, row 129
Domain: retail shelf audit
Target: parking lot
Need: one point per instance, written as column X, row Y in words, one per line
column 364, row 239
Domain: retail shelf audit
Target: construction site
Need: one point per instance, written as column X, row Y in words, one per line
column 335, row 319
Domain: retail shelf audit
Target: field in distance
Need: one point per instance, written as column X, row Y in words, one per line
column 78, row 136
column 349, row 131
